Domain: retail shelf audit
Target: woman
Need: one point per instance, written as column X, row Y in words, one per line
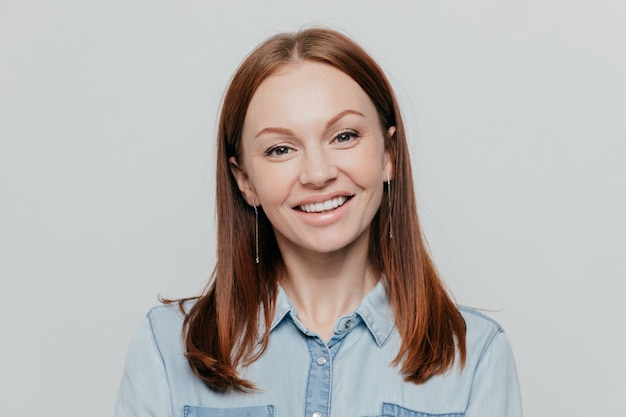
column 324, row 301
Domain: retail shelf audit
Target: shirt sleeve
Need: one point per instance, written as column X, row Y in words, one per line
column 144, row 390
column 495, row 390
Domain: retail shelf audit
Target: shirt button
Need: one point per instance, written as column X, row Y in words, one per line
column 317, row 414
column 347, row 324
column 321, row 361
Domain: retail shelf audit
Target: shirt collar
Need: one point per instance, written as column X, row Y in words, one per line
column 282, row 309
column 375, row 311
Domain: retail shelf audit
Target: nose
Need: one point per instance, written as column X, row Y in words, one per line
column 318, row 168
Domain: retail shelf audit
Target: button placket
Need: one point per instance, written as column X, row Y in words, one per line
column 319, row 385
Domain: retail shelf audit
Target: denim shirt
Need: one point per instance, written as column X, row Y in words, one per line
column 302, row 375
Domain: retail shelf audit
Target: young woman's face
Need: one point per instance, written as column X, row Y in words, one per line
column 313, row 156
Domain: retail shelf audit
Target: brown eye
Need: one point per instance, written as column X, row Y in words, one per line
column 278, row 151
column 345, row 137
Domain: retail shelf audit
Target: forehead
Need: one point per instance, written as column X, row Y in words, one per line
column 307, row 88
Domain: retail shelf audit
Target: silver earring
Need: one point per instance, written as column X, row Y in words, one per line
column 256, row 232
column 389, row 199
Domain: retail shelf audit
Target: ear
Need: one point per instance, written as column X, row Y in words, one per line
column 243, row 183
column 388, row 166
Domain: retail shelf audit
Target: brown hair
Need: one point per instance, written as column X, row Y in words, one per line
column 220, row 329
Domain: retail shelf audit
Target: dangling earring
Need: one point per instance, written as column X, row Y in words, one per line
column 389, row 199
column 256, row 232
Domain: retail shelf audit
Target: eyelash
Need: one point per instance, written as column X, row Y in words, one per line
column 351, row 134
column 272, row 151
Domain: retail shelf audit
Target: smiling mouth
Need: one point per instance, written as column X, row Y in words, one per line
column 331, row 204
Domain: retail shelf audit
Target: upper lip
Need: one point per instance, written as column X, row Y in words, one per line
column 321, row 198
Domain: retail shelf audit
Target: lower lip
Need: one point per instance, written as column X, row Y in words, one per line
column 324, row 218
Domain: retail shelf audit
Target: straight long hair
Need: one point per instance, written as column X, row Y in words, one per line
column 221, row 329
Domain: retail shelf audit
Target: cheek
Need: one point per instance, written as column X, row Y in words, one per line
column 271, row 185
column 368, row 167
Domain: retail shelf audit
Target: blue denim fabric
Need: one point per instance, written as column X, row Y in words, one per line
column 302, row 375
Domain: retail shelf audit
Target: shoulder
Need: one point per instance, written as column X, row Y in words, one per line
column 166, row 315
column 484, row 336
column 164, row 323
column 479, row 321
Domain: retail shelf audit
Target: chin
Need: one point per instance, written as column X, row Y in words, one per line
column 332, row 246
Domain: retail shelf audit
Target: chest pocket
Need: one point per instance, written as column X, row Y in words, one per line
column 258, row 411
column 392, row 410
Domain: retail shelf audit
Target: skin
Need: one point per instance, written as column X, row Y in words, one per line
column 312, row 135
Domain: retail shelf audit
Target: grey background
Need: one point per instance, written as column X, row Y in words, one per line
column 516, row 113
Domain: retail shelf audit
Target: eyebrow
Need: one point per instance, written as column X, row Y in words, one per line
column 280, row 130
column 342, row 114
column 332, row 121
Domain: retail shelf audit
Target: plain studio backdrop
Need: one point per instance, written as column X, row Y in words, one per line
column 516, row 112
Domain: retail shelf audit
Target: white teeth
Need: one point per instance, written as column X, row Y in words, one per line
column 326, row 205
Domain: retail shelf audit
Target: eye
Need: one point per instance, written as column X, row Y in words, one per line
column 278, row 151
column 346, row 136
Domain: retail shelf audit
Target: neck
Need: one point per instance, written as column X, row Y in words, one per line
column 324, row 287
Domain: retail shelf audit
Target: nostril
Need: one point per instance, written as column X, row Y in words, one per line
column 318, row 168
column 318, row 177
